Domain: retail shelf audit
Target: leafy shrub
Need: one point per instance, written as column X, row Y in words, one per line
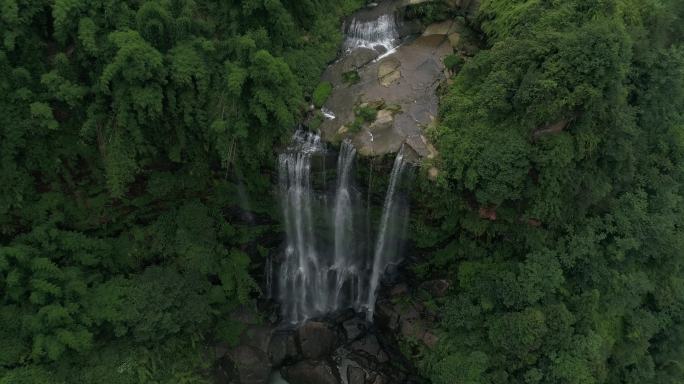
column 321, row 93
column 453, row 62
column 351, row 77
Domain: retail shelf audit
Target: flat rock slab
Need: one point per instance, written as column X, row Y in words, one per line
column 406, row 79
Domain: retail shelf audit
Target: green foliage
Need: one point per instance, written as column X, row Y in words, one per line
column 453, row 62
column 558, row 209
column 130, row 134
column 351, row 77
column 321, row 93
column 363, row 114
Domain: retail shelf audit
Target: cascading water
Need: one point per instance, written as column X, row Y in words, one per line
column 373, row 34
column 326, row 266
column 392, row 224
column 345, row 265
column 301, row 276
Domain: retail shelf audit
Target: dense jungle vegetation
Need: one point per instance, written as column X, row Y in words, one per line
column 130, row 130
column 125, row 128
column 559, row 214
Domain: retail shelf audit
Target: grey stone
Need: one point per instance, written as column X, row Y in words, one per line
column 355, row 375
column 251, row 365
column 316, row 339
column 283, row 346
column 310, row 372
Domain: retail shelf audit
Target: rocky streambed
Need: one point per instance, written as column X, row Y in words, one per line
column 341, row 348
column 396, row 80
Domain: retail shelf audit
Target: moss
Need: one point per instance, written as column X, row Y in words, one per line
column 321, row 93
column 351, row 77
column 363, row 114
column 315, row 121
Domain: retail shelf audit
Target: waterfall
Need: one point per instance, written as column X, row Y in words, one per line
column 344, row 264
column 380, row 32
column 327, row 265
column 392, row 222
column 301, row 279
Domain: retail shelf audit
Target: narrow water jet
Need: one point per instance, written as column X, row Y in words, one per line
column 344, row 262
column 392, row 223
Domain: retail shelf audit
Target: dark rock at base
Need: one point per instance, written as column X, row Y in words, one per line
column 257, row 336
column 386, row 315
column 370, row 346
column 252, row 366
column 354, row 328
column 283, row 347
column 355, row 375
column 409, row 27
column 342, row 316
column 310, row 372
column 316, row 339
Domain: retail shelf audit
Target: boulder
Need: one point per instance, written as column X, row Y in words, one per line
column 441, row 28
column 252, row 365
column 257, row 336
column 384, row 120
column 388, row 71
column 454, row 39
column 353, row 328
column 283, row 347
column 310, row 372
column 408, row 28
column 358, row 58
column 316, row 339
column 386, row 315
column 370, row 346
column 355, row 375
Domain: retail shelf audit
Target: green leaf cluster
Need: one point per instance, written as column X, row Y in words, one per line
column 559, row 206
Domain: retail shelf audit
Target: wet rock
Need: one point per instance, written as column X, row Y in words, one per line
column 355, row 375
column 283, row 347
column 408, row 28
column 441, row 28
column 386, row 315
column 384, row 120
column 358, row 58
column 454, row 39
column 354, row 328
column 419, row 144
column 310, row 372
column 252, row 366
column 370, row 346
column 257, row 336
column 388, row 71
column 316, row 339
